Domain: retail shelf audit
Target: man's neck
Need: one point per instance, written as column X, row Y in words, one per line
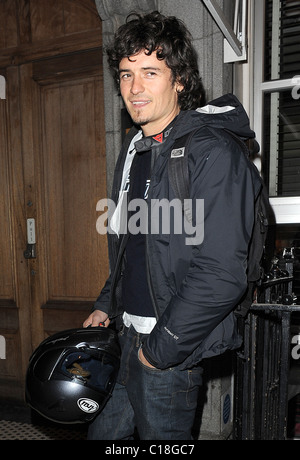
column 152, row 132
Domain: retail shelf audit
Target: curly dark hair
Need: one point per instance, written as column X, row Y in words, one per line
column 170, row 39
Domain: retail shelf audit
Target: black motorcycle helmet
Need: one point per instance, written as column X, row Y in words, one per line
column 71, row 374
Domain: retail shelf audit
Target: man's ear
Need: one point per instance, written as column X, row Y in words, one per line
column 179, row 87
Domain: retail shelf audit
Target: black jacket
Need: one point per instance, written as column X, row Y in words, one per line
column 195, row 287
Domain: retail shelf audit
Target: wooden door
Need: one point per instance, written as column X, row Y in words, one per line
column 52, row 164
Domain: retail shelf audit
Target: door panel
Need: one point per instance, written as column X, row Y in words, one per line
column 6, row 276
column 74, row 180
column 72, row 258
column 14, row 287
column 53, row 169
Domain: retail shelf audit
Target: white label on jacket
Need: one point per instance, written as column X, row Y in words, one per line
column 177, row 153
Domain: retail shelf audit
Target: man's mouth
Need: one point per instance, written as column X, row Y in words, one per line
column 139, row 104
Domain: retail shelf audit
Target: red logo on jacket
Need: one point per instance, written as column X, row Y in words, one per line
column 159, row 137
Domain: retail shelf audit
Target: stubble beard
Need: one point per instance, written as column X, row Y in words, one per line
column 138, row 119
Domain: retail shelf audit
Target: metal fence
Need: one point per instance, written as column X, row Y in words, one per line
column 263, row 365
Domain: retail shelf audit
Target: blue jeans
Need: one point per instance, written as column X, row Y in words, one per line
column 159, row 404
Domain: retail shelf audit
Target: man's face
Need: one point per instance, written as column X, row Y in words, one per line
column 148, row 92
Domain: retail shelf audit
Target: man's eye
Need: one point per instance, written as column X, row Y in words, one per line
column 125, row 76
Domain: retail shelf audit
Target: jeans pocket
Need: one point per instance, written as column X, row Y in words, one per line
column 151, row 369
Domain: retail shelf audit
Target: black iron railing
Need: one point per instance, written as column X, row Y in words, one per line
column 262, row 365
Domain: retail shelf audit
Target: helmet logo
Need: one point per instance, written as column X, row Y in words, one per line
column 87, row 405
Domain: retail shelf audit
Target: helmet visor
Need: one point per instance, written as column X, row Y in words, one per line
column 91, row 367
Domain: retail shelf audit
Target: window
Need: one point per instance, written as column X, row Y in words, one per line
column 276, row 116
column 277, row 102
column 281, row 167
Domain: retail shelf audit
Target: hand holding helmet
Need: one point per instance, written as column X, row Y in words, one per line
column 71, row 374
column 97, row 318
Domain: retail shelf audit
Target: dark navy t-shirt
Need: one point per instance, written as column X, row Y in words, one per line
column 135, row 291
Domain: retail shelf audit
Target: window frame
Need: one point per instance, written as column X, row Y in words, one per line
column 286, row 209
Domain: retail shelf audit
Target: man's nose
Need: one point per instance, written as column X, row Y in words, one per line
column 137, row 85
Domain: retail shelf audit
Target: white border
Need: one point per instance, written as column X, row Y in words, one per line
column 286, row 209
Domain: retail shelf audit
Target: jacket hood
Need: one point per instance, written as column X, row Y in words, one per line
column 226, row 112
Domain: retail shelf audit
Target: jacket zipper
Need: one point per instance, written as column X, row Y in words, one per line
column 156, row 150
column 114, row 280
column 149, row 280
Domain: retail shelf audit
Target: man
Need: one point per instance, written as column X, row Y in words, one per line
column 174, row 300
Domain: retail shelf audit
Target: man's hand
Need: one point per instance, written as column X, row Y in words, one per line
column 97, row 318
column 144, row 360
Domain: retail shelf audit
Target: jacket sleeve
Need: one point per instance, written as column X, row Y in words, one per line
column 216, row 278
column 103, row 301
